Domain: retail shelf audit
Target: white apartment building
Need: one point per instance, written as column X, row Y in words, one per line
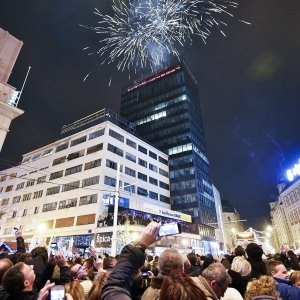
column 67, row 188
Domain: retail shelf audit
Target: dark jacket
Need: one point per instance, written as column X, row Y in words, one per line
column 119, row 282
column 194, row 271
column 239, row 282
column 287, row 290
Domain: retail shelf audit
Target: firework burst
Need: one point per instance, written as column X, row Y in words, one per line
column 144, row 32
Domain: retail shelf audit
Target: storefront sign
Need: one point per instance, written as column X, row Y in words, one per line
column 103, row 239
column 156, row 210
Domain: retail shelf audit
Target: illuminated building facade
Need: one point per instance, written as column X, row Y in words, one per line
column 67, row 188
column 165, row 108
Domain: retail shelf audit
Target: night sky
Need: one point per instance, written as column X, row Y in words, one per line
column 248, row 82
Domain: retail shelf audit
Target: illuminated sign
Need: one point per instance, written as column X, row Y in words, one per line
column 109, row 200
column 245, row 236
column 292, row 173
column 152, row 79
column 103, row 239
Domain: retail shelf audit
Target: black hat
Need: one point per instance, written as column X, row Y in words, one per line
column 254, row 251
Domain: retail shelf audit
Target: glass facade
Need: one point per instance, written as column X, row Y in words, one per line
column 166, row 110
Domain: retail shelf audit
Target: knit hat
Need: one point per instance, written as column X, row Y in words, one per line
column 254, row 251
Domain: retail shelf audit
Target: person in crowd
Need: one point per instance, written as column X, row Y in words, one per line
column 214, row 281
column 132, row 257
column 169, row 260
column 178, row 286
column 284, row 256
column 79, row 273
column 255, row 253
column 207, row 260
column 293, row 260
column 240, row 274
column 75, row 289
column 5, row 264
column 239, row 251
column 262, row 289
column 285, row 287
column 295, row 278
column 25, row 257
column 194, row 270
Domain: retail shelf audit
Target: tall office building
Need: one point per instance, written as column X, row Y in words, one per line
column 165, row 108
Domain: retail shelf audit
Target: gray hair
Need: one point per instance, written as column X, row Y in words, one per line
column 169, row 260
column 217, row 272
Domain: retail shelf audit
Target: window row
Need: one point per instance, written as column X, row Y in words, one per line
column 292, row 197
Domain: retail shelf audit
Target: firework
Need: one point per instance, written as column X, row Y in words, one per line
column 145, row 32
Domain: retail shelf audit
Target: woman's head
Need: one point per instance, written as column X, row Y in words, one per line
column 75, row 289
column 295, row 278
column 265, row 285
column 241, row 265
column 180, row 286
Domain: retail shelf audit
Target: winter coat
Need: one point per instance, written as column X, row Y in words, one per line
column 239, row 282
column 287, row 290
column 208, row 291
column 117, row 286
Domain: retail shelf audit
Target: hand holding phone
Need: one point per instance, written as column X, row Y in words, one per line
column 57, row 292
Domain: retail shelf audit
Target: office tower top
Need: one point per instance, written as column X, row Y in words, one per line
column 165, row 108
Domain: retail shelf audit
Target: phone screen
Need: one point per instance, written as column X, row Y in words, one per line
column 169, row 229
column 54, row 248
column 57, row 292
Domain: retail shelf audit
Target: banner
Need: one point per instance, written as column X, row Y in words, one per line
column 103, row 239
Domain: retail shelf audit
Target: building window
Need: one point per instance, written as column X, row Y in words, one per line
column 41, row 180
column 131, row 143
column 9, row 188
column 16, row 199
column 62, row 147
column 96, row 134
column 24, row 212
column 130, row 157
column 49, row 206
column 86, row 219
column 47, row 152
column 162, row 160
column 153, row 180
column 142, row 192
column 115, row 150
column 67, row 203
column 59, row 160
column 130, row 172
column 14, row 214
column 56, row 175
column 78, row 141
column 3, row 178
column 110, row 181
column 153, row 195
column 53, row 190
column 13, row 175
column 37, row 194
column 20, row 185
column 153, row 155
column 142, row 176
column 164, row 185
column 129, row 187
column 142, row 163
column 4, row 201
column 73, row 170
column 36, row 210
column 163, row 172
column 153, row 168
column 64, row 222
column 142, row 149
column 75, row 155
column 92, row 164
column 164, row 199
column 85, row 200
column 26, row 197
column 111, row 164
column 71, row 186
column 116, row 135
column 90, row 181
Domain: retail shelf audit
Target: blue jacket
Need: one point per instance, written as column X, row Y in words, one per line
column 287, row 290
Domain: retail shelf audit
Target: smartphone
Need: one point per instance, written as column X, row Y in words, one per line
column 57, row 292
column 54, row 248
column 169, row 229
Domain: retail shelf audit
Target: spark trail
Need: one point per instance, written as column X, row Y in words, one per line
column 143, row 33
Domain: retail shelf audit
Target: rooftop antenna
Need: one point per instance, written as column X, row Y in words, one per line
column 18, row 99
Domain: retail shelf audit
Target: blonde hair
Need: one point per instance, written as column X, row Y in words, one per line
column 241, row 265
column 75, row 289
column 265, row 285
column 295, row 278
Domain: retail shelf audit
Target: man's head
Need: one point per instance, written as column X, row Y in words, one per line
column 192, row 258
column 217, row 277
column 18, row 278
column 78, row 272
column 277, row 269
column 169, row 260
column 5, row 264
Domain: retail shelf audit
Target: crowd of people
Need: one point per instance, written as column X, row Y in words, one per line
column 245, row 274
